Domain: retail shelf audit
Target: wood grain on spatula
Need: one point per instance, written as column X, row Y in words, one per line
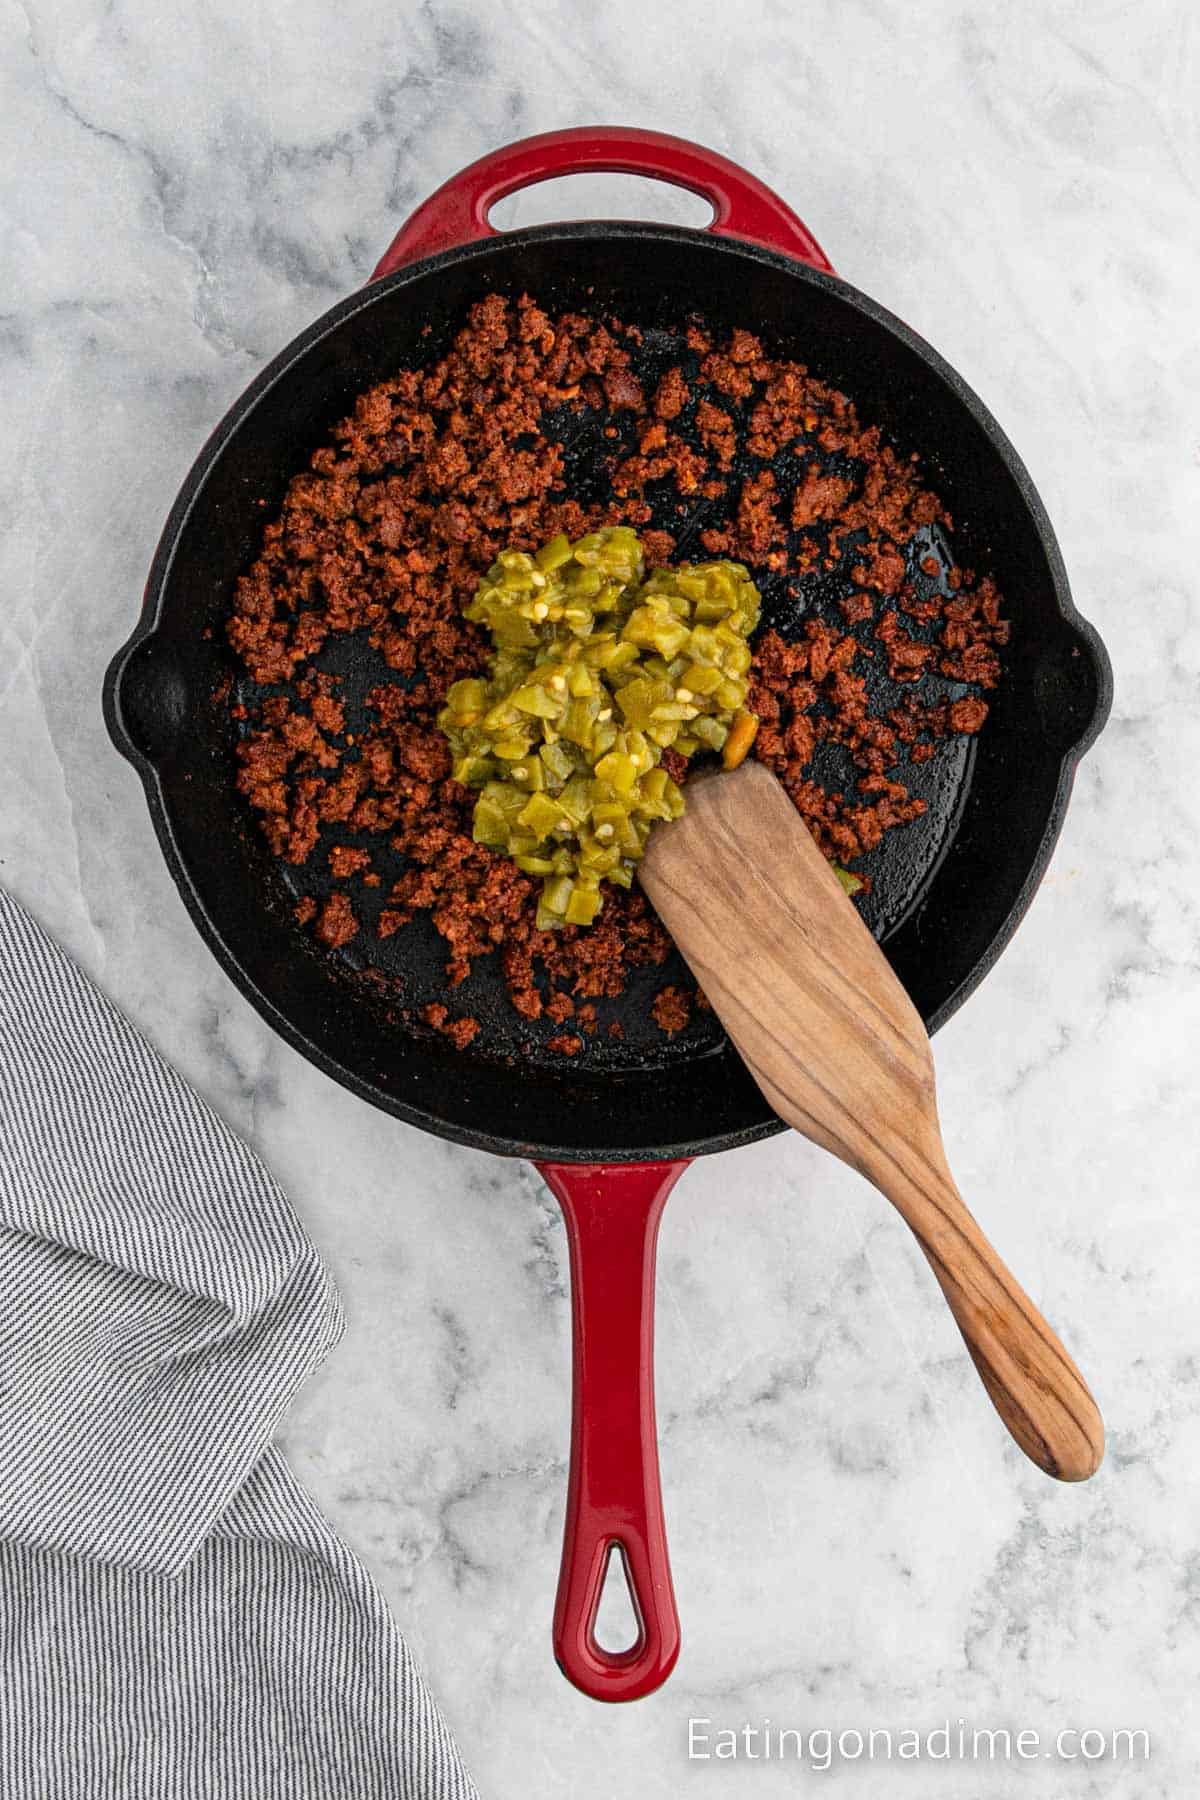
column 840, row 1053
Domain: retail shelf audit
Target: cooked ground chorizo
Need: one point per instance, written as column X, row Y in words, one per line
column 460, row 1032
column 671, row 1009
column 346, row 860
column 336, row 924
column 388, row 530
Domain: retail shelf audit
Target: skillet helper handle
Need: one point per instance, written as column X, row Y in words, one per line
column 614, row 1500
column 743, row 207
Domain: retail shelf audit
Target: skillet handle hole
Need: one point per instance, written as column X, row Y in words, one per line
column 617, row 1626
column 601, row 196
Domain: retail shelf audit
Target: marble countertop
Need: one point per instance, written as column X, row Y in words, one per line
column 855, row 1540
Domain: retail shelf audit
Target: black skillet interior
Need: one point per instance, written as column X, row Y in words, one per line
column 948, row 891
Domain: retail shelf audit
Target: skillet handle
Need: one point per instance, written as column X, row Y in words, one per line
column 743, row 207
column 614, row 1501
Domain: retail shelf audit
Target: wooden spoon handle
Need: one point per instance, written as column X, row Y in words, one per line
column 839, row 1052
column 1032, row 1381
column 1030, row 1378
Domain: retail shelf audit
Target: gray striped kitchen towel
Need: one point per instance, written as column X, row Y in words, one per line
column 177, row 1620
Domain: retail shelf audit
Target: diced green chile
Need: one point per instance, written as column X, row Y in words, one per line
column 595, row 670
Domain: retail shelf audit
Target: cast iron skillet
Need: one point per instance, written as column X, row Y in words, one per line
column 612, row 1130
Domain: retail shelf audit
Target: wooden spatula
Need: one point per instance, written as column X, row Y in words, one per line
column 840, row 1052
